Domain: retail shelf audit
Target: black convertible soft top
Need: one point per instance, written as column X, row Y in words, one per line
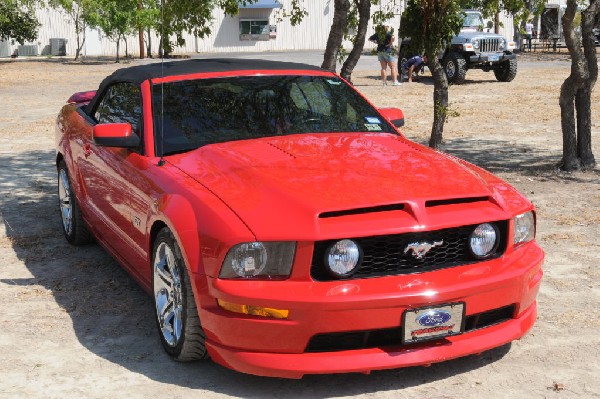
column 140, row 73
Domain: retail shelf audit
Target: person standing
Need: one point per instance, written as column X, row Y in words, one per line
column 384, row 38
column 529, row 32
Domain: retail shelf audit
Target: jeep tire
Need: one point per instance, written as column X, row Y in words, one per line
column 455, row 67
column 507, row 71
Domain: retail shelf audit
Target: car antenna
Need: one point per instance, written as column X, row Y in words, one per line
column 161, row 161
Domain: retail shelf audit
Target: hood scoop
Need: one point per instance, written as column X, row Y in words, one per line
column 360, row 211
column 455, row 201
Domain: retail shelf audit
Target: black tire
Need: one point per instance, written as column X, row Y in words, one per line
column 73, row 226
column 180, row 331
column 455, row 67
column 507, row 71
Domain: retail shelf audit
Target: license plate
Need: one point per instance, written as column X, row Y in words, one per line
column 493, row 57
column 433, row 322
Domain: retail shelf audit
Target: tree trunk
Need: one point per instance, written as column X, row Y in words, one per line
column 440, row 100
column 141, row 43
column 568, row 91
column 569, row 161
column 497, row 23
column 583, row 99
column 78, row 29
column 336, row 34
column 118, row 45
column 149, row 47
column 141, row 33
column 517, row 38
column 364, row 14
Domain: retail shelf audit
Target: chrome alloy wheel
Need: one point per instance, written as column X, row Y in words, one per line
column 64, row 200
column 167, row 294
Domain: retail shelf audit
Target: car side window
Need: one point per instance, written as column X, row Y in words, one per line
column 121, row 104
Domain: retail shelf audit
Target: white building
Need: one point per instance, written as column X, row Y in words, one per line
column 258, row 27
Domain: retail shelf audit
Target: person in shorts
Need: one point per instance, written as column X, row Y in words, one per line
column 384, row 37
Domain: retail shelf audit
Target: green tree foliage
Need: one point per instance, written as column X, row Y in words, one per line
column 18, row 21
column 175, row 17
column 521, row 10
column 171, row 19
column 350, row 22
column 179, row 16
column 77, row 11
column 116, row 18
column 296, row 13
column 336, row 34
column 431, row 24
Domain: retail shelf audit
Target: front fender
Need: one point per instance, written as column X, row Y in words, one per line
column 205, row 229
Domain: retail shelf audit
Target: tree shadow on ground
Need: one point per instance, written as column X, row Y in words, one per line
column 499, row 156
column 112, row 317
column 70, row 60
column 422, row 79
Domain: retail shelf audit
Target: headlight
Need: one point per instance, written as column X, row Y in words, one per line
column 524, row 228
column 262, row 260
column 342, row 257
column 502, row 44
column 475, row 43
column 484, row 240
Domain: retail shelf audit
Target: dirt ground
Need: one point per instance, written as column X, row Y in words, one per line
column 74, row 325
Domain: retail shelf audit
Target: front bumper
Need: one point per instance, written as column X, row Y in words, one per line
column 275, row 347
column 490, row 58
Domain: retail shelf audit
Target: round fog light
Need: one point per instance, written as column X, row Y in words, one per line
column 342, row 258
column 484, row 240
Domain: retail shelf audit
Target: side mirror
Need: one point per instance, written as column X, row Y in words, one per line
column 395, row 115
column 115, row 135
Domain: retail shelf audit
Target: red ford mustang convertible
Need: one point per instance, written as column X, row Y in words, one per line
column 284, row 226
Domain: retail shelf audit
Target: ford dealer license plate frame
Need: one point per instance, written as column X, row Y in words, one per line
column 433, row 322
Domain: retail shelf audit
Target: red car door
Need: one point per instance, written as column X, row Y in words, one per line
column 108, row 174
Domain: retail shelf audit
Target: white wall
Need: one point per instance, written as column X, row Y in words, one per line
column 310, row 34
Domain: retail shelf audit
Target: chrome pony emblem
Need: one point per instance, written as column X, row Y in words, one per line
column 420, row 249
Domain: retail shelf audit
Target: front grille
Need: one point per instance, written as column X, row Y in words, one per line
column 393, row 336
column 388, row 255
column 489, row 45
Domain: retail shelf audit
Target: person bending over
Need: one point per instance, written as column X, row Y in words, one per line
column 414, row 64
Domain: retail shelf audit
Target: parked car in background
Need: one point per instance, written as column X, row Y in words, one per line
column 473, row 48
column 284, row 226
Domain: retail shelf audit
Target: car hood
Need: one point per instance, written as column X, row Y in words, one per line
column 295, row 182
column 472, row 34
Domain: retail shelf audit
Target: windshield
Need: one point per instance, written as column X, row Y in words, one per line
column 472, row 19
column 194, row 113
